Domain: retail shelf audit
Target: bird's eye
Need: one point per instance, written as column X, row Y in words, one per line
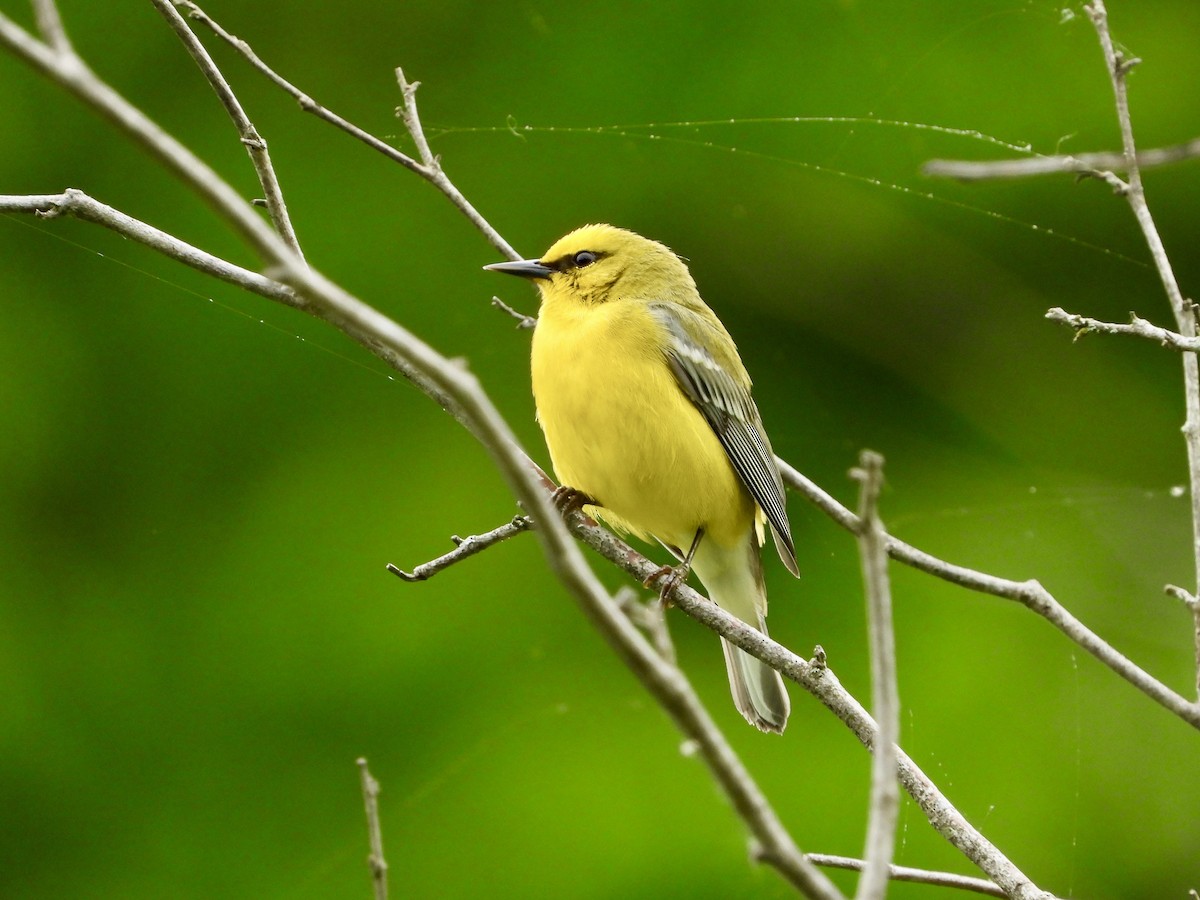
column 584, row 258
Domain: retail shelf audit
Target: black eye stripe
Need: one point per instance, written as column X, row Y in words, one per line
column 581, row 259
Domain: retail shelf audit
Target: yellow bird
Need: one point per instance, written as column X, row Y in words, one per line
column 647, row 413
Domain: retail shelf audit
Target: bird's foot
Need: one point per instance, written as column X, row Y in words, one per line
column 568, row 499
column 671, row 578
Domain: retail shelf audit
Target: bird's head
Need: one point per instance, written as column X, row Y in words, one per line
column 600, row 263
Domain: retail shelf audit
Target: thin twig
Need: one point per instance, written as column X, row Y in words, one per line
column 1137, row 326
column 1186, row 598
column 650, row 617
column 50, row 24
column 465, row 547
column 79, row 205
column 376, row 862
column 918, row 876
column 1185, row 319
column 1028, row 593
column 1078, row 163
column 885, row 702
column 306, row 103
column 411, row 117
column 434, row 175
column 254, row 143
column 523, row 321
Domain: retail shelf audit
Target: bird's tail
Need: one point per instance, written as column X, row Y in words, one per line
column 734, row 582
column 758, row 691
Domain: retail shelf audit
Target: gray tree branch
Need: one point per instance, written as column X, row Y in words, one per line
column 1137, row 326
column 1089, row 164
column 255, row 146
column 429, row 168
column 885, row 701
column 375, row 861
column 1185, row 316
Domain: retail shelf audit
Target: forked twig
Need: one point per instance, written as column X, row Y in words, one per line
column 255, row 146
column 428, row 168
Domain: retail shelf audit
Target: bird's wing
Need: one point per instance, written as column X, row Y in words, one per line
column 727, row 406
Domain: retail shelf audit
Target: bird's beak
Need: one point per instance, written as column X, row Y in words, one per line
column 526, row 268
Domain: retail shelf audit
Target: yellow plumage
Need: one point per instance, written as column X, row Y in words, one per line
column 646, row 409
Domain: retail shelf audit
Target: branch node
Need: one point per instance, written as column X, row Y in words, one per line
column 375, row 861
column 1123, row 65
column 406, row 576
column 819, row 660
column 1187, row 598
column 523, row 321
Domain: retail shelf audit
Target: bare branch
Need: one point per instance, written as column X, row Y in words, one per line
column 820, row 681
column 255, row 146
column 1029, row 593
column 1187, row 599
column 431, row 173
column 412, row 119
column 651, row 618
column 523, row 321
column 79, row 205
column 464, row 547
column 918, row 876
column 306, row 103
column 885, row 702
column 1138, row 327
column 1078, row 164
column 49, row 23
column 1185, row 319
column 378, row 865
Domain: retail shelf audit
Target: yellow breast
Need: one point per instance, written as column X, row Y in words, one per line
column 620, row 430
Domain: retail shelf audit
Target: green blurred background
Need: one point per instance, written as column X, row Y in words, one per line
column 199, row 490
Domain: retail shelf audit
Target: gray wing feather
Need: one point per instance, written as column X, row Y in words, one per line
column 733, row 417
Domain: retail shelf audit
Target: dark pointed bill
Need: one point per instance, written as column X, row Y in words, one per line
column 525, row 268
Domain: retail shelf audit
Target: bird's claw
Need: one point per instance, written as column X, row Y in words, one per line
column 672, row 577
column 568, row 500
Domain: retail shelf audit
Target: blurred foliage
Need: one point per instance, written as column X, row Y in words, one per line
column 199, row 491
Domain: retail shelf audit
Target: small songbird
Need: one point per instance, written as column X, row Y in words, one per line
column 647, row 413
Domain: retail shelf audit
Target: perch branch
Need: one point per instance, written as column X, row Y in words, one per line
column 376, row 862
column 885, row 702
column 464, row 547
column 820, row 681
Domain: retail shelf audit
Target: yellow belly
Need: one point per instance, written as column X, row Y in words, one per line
column 619, row 428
